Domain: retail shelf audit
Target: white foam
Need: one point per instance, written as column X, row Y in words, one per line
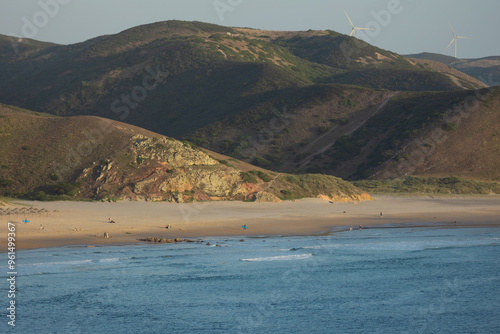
column 114, row 259
column 407, row 245
column 76, row 262
column 280, row 258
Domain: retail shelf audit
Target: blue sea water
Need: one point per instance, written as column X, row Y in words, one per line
column 388, row 280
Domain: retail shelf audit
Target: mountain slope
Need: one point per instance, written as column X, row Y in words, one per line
column 439, row 134
column 12, row 48
column 175, row 77
column 463, row 142
column 47, row 157
column 356, row 133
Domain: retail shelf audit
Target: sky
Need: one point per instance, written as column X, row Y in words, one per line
column 401, row 26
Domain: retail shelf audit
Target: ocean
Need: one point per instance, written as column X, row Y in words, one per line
column 379, row 280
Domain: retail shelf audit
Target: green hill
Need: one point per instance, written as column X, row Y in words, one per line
column 208, row 72
column 427, row 134
column 357, row 133
column 46, row 157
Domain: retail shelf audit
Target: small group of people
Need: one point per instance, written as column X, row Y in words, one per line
column 168, row 227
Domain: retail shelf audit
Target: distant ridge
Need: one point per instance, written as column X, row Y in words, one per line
column 213, row 71
column 486, row 69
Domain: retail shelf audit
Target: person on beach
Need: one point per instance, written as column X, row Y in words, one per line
column 360, row 227
column 350, row 228
column 111, row 221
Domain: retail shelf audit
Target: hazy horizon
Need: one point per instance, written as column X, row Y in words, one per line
column 401, row 26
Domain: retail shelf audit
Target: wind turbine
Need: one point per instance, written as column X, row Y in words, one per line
column 455, row 38
column 354, row 28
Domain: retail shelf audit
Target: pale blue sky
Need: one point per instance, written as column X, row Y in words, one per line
column 415, row 25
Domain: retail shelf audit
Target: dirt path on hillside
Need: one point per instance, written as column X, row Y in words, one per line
column 324, row 142
column 272, row 182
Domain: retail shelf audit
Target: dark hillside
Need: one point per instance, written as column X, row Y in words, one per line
column 197, row 73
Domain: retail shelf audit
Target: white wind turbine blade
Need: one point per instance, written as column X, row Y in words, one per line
column 453, row 40
column 352, row 25
column 453, row 31
column 365, row 28
column 353, row 32
column 465, row 37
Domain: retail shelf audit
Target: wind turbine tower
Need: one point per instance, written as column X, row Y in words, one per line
column 454, row 40
column 354, row 28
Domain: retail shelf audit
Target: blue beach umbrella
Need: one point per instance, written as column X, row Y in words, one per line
column 26, row 221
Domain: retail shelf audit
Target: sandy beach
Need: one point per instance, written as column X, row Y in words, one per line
column 84, row 223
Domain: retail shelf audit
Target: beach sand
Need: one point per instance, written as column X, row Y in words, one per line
column 84, row 223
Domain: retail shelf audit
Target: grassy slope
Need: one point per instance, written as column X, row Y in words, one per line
column 40, row 152
column 382, row 143
column 430, row 185
column 393, row 142
column 463, row 142
column 279, row 130
column 35, row 146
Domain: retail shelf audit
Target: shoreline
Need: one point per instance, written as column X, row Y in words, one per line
column 79, row 223
column 79, row 243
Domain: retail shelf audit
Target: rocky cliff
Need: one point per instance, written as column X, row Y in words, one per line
column 163, row 169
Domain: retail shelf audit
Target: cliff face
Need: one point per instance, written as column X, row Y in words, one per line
column 172, row 152
column 162, row 169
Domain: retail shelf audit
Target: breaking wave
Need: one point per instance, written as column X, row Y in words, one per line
column 279, row 258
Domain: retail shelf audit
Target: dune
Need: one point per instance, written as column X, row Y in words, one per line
column 84, row 223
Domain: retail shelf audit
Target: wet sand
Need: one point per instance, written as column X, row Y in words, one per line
column 84, row 223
